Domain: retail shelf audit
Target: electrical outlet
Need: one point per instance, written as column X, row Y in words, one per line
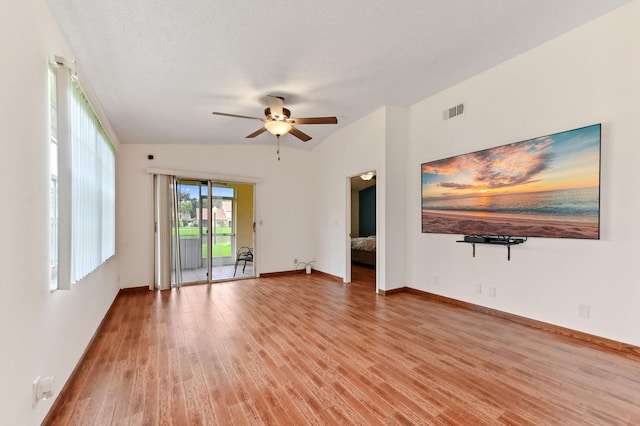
column 46, row 387
column 35, row 385
column 492, row 292
column 43, row 388
column 584, row 311
column 436, row 280
column 479, row 288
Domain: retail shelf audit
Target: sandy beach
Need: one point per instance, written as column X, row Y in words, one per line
column 474, row 223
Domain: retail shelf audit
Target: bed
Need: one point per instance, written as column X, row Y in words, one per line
column 363, row 250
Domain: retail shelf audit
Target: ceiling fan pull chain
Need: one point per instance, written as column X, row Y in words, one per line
column 278, row 146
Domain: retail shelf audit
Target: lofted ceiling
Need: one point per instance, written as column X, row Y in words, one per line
column 160, row 67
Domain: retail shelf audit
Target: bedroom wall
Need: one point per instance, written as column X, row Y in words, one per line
column 283, row 201
column 43, row 333
column 355, row 212
column 587, row 76
column 367, row 212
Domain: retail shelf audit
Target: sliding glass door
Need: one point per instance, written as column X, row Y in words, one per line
column 206, row 220
column 188, row 234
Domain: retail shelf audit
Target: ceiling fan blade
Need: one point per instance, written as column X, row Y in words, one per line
column 236, row 116
column 315, row 120
column 275, row 105
column 300, row 135
column 260, row 131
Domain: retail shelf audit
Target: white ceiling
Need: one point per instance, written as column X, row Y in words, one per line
column 160, row 67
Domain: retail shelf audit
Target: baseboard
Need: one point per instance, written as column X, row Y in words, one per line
column 301, row 272
column 134, row 289
column 602, row 343
column 392, row 291
column 327, row 275
column 280, row 273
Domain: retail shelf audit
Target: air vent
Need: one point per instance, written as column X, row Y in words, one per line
column 452, row 112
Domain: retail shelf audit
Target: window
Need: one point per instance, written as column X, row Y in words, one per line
column 84, row 185
column 53, row 180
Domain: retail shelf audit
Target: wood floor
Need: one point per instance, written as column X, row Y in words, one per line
column 306, row 349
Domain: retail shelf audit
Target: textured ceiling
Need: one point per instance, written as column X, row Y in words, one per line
column 160, row 67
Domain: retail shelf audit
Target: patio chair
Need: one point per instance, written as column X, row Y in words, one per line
column 244, row 254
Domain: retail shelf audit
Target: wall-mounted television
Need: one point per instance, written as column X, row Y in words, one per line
column 548, row 186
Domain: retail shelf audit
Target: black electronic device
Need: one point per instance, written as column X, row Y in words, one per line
column 475, row 239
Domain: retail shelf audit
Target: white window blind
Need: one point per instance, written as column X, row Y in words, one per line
column 87, row 185
column 92, row 181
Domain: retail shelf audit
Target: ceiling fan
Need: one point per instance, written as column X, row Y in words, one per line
column 278, row 120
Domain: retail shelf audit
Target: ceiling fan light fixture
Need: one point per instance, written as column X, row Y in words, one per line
column 278, row 128
column 277, row 120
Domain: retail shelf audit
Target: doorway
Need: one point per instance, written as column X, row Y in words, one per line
column 362, row 259
column 210, row 221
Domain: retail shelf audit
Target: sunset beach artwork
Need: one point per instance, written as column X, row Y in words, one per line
column 543, row 187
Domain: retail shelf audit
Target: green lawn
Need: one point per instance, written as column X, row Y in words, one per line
column 187, row 232
column 219, row 250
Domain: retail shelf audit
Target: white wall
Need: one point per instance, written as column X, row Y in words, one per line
column 590, row 75
column 376, row 142
column 283, row 201
column 394, row 250
column 351, row 151
column 43, row 333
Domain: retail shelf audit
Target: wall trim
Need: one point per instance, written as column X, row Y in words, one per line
column 392, row 291
column 300, row 272
column 327, row 275
column 279, row 273
column 590, row 340
column 135, row 289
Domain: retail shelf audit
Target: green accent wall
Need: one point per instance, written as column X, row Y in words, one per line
column 367, row 215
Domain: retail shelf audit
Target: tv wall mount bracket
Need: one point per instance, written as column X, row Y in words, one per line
column 497, row 240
